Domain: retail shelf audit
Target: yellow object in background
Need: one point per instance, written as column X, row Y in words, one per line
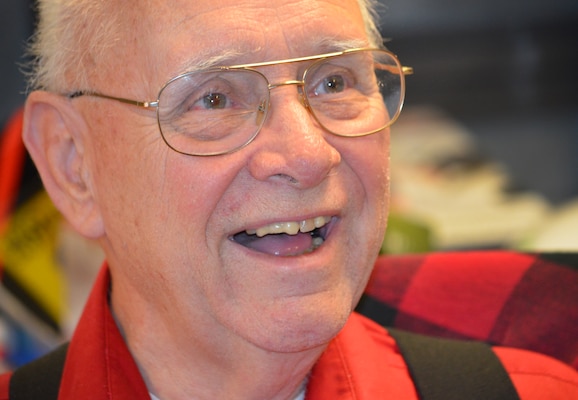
column 406, row 235
column 27, row 254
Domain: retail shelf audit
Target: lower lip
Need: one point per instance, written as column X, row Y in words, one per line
column 330, row 233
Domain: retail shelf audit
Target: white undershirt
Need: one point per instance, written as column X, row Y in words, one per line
column 300, row 395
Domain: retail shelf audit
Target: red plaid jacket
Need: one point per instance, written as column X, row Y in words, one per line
column 527, row 301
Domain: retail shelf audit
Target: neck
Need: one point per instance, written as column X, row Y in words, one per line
column 205, row 362
column 277, row 379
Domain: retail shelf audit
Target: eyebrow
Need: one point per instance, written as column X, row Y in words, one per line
column 201, row 62
column 329, row 45
column 230, row 57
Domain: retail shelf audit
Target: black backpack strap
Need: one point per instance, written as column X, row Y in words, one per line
column 40, row 379
column 445, row 369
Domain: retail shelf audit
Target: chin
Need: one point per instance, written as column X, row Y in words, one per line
column 304, row 327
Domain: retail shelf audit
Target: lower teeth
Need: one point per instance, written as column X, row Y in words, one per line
column 318, row 241
column 315, row 243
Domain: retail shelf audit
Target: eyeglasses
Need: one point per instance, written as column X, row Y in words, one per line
column 220, row 110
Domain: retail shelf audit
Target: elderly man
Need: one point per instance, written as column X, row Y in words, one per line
column 231, row 158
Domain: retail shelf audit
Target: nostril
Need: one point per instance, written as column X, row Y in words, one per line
column 289, row 178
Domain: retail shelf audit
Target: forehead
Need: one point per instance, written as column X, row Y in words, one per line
column 183, row 34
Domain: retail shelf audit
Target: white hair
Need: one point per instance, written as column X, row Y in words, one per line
column 71, row 42
column 370, row 19
column 74, row 38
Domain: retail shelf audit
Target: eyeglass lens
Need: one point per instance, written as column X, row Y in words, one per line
column 218, row 111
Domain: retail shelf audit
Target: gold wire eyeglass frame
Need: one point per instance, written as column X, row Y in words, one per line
column 154, row 104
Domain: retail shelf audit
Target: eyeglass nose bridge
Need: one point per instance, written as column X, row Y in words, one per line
column 300, row 87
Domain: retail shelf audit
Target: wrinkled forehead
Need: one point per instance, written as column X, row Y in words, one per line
column 182, row 35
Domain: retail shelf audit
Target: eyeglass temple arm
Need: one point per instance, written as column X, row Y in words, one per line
column 405, row 70
column 393, row 69
column 145, row 104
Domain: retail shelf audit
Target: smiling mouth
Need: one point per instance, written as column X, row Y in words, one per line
column 286, row 239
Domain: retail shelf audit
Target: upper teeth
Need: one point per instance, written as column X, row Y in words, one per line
column 290, row 228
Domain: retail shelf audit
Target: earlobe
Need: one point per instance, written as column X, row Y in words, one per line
column 54, row 133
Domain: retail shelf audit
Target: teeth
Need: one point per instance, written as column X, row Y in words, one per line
column 290, row 228
column 318, row 241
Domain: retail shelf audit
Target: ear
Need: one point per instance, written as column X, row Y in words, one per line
column 55, row 133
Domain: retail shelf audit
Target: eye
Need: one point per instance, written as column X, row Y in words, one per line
column 330, row 79
column 212, row 101
column 189, row 97
column 330, row 84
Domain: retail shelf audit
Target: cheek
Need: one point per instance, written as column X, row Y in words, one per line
column 379, row 178
column 126, row 164
column 368, row 158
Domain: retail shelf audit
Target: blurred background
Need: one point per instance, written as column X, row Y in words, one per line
column 16, row 24
column 485, row 154
column 507, row 71
column 486, row 150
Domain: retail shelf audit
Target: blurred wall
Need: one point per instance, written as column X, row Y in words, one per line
column 16, row 21
column 505, row 69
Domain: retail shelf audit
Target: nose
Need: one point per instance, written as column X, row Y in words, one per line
column 292, row 147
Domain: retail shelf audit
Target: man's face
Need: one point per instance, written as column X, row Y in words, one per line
column 173, row 224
